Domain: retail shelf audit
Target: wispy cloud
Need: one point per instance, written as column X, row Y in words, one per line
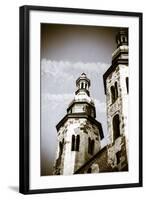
column 54, row 100
column 100, row 106
column 59, row 68
column 59, row 97
column 61, row 75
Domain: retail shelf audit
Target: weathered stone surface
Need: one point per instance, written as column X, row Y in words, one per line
column 72, row 160
column 119, row 146
column 98, row 163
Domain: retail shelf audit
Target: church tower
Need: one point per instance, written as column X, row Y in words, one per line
column 79, row 133
column 116, row 90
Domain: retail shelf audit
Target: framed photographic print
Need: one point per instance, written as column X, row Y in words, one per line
column 80, row 99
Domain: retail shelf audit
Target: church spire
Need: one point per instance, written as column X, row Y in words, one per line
column 122, row 38
column 79, row 133
column 83, row 84
column 82, row 102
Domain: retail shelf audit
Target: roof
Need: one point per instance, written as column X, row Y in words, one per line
column 81, row 115
column 112, row 68
column 91, row 160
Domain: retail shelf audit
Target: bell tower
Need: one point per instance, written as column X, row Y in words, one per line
column 79, row 133
column 82, row 102
column 116, row 90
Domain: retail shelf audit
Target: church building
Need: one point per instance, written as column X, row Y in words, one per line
column 79, row 133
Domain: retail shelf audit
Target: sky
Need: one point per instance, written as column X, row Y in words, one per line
column 66, row 52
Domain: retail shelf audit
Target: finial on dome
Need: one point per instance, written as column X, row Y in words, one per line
column 83, row 74
column 83, row 84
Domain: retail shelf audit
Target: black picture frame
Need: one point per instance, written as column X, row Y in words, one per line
column 24, row 84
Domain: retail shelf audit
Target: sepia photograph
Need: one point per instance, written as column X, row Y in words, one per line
column 80, row 99
column 84, row 99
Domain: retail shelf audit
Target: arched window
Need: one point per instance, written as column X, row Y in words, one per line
column 89, row 170
column 116, row 127
column 90, row 146
column 61, row 147
column 127, row 84
column 82, row 85
column 116, row 91
column 118, row 157
column 73, row 143
column 85, row 85
column 124, row 39
column 77, row 142
column 113, row 94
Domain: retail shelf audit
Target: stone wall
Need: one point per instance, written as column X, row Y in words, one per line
column 69, row 161
column 106, row 159
column 120, row 106
column 117, row 157
column 98, row 163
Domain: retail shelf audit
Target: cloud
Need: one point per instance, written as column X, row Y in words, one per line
column 63, row 68
column 58, row 81
column 53, row 68
column 59, row 97
column 100, row 106
column 54, row 101
column 63, row 74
